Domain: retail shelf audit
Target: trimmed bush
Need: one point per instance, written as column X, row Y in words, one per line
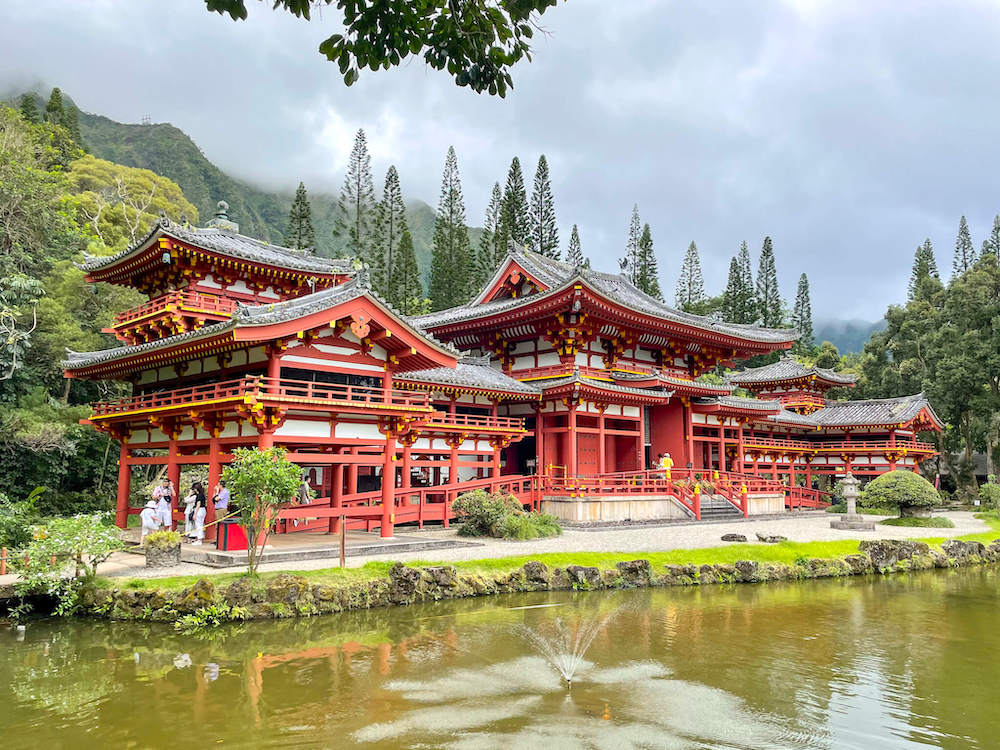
column 162, row 540
column 501, row 516
column 900, row 489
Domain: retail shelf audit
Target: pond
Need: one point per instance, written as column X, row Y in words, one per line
column 897, row 662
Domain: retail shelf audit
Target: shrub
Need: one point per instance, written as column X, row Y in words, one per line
column 502, row 516
column 900, row 489
column 937, row 522
column 530, row 526
column 16, row 519
column 484, row 513
column 989, row 494
column 162, row 540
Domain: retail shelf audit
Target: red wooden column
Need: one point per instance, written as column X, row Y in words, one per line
column 388, row 486
column 495, row 465
column 214, row 474
column 601, row 449
column 173, row 474
column 722, row 444
column 265, row 439
column 124, row 486
column 740, row 460
column 539, row 440
column 569, row 459
column 336, row 489
column 352, row 473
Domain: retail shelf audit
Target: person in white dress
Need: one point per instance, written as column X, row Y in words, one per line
column 164, row 497
column 149, row 519
column 200, row 511
column 189, row 503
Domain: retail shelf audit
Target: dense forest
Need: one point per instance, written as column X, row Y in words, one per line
column 72, row 183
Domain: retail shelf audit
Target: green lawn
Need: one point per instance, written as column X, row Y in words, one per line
column 784, row 552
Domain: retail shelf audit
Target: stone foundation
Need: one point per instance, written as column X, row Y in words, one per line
column 288, row 595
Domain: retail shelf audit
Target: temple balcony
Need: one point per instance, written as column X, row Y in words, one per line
column 856, row 447
column 252, row 394
column 169, row 314
column 474, row 424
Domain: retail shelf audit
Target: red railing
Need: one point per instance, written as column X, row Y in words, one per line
column 476, row 422
column 412, row 504
column 263, row 388
column 839, row 446
column 210, row 304
column 807, row 497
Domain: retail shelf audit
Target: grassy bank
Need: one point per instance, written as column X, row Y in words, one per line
column 200, row 601
column 786, row 553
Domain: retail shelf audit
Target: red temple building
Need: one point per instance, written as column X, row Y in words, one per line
column 561, row 385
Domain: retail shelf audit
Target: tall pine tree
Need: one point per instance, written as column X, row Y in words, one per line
column 407, row 291
column 965, row 253
column 71, row 120
column 542, row 213
column 690, row 284
column 630, row 261
column 356, row 206
column 574, row 252
column 489, row 256
column 748, row 292
column 648, row 278
column 514, row 221
column 390, row 223
column 54, row 111
column 802, row 316
column 769, row 304
column 299, row 233
column 451, row 258
column 924, row 266
column 29, row 108
column 992, row 243
column 732, row 298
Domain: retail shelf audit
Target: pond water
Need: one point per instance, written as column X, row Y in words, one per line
column 896, row 662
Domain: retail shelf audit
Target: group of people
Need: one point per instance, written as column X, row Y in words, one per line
column 157, row 515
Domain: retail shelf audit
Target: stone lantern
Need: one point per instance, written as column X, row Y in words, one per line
column 851, row 520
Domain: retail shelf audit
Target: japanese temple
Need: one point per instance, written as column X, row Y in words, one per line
column 559, row 384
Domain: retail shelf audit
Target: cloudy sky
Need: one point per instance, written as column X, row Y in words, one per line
column 848, row 131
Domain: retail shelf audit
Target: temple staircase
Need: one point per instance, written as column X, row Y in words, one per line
column 718, row 508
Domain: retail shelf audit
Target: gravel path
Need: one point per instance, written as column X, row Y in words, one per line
column 808, row 527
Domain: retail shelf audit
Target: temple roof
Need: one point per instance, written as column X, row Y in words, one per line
column 669, row 380
column 250, row 316
column 789, row 368
column 882, row 412
column 223, row 242
column 749, row 404
column 471, row 373
column 577, row 378
column 558, row 276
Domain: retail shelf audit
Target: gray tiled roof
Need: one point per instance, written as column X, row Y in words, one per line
column 755, row 404
column 576, row 377
column 788, row 368
column 668, row 380
column 874, row 412
column 471, row 372
column 227, row 243
column 247, row 316
column 558, row 275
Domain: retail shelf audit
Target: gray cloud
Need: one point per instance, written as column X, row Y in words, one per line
column 848, row 131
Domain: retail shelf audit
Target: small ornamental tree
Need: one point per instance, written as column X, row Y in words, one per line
column 84, row 540
column 260, row 481
column 909, row 492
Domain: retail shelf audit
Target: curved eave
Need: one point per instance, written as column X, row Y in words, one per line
column 800, row 380
column 616, row 313
column 146, row 254
column 400, row 381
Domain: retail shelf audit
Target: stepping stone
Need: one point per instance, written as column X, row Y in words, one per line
column 733, row 538
column 774, row 539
